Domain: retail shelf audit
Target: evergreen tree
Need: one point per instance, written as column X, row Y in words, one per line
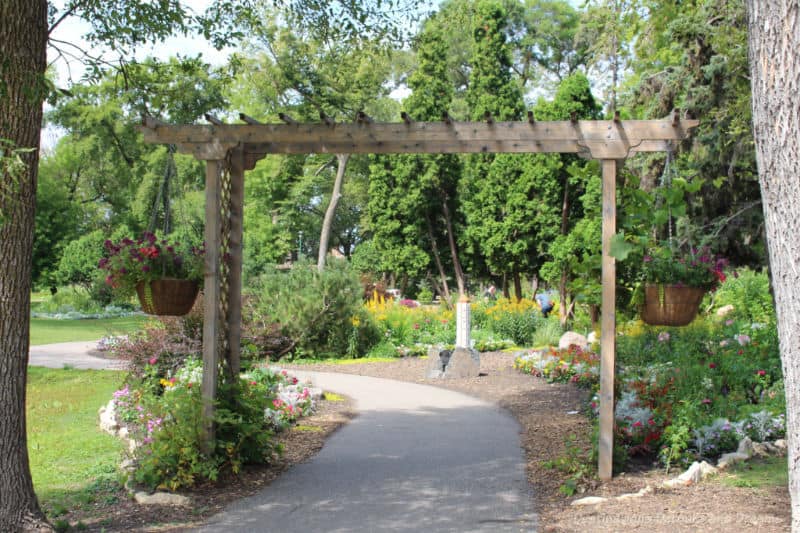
column 500, row 193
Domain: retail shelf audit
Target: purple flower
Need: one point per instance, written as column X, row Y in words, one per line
column 103, row 263
column 145, row 268
column 647, row 258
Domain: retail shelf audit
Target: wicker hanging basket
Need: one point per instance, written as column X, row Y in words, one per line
column 671, row 305
column 167, row 297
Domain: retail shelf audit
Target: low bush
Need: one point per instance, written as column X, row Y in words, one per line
column 321, row 312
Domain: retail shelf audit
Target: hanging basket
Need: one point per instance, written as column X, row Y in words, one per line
column 671, row 305
column 167, row 297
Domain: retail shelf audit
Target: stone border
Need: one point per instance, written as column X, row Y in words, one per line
column 698, row 471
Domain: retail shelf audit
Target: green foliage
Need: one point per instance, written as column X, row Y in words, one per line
column 748, row 292
column 574, row 463
column 317, row 310
column 78, row 264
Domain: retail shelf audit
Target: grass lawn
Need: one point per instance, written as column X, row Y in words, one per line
column 73, row 463
column 758, row 473
column 48, row 330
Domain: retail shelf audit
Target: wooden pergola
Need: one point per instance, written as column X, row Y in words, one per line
column 230, row 149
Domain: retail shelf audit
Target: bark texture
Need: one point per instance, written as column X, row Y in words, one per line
column 23, row 42
column 774, row 35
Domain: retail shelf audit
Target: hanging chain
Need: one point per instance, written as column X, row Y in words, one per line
column 666, row 183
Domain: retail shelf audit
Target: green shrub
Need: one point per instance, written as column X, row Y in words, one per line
column 748, row 293
column 316, row 310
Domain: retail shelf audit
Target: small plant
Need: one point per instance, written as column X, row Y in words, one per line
column 576, row 463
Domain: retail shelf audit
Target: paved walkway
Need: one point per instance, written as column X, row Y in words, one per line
column 72, row 354
column 417, row 458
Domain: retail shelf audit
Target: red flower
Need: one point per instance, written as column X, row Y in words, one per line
column 762, row 372
column 712, row 365
column 637, row 424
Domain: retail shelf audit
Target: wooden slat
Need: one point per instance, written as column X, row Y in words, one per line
column 235, row 265
column 420, row 133
column 211, row 297
column 608, row 322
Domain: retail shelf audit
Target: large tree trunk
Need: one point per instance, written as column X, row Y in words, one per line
column 23, row 41
column 774, row 28
column 327, row 222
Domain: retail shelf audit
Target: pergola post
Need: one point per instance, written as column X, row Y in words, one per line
column 608, row 322
column 211, row 296
column 235, row 265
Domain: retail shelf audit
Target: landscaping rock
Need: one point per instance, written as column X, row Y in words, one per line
column 437, row 362
column 571, row 338
column 592, row 338
column 160, row 498
column 762, row 449
column 108, row 418
column 463, row 363
column 693, row 475
column 589, row 500
column 725, row 310
column 780, row 444
column 641, row 494
column 745, row 447
column 315, row 393
column 730, row 458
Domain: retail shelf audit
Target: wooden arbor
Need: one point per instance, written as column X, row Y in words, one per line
column 230, row 149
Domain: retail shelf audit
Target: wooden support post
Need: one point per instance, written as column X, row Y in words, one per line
column 235, row 265
column 608, row 323
column 211, row 297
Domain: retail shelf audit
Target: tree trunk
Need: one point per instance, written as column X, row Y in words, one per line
column 563, row 306
column 22, row 90
column 437, row 258
column 774, row 36
column 518, row 286
column 451, row 239
column 327, row 222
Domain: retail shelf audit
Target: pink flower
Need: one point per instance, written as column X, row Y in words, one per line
column 762, row 372
column 153, row 360
column 254, row 383
column 705, row 401
column 637, row 424
column 729, row 322
column 663, row 336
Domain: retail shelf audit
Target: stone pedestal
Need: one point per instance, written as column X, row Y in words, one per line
column 455, row 364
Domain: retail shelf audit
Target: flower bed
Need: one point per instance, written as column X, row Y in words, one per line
column 161, row 413
column 685, row 393
column 573, row 365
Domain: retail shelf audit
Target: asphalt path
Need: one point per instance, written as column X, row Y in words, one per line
column 417, row 458
column 72, row 355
